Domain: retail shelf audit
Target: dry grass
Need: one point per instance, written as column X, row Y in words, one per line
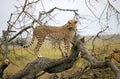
column 20, row 57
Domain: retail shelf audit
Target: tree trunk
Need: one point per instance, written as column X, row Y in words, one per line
column 48, row 65
column 98, row 64
column 32, row 69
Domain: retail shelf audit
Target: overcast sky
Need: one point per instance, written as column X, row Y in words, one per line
column 7, row 7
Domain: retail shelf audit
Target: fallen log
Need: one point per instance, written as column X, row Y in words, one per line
column 48, row 65
column 32, row 69
column 3, row 66
column 98, row 64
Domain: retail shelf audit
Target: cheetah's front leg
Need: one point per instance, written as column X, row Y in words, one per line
column 36, row 49
column 67, row 48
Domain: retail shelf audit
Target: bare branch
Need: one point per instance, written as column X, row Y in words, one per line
column 58, row 9
column 48, row 65
column 113, row 7
column 98, row 36
column 33, row 2
column 99, row 64
column 33, row 17
column 20, row 33
column 90, row 9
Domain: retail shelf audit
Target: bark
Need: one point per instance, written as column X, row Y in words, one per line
column 3, row 66
column 98, row 64
column 114, row 68
column 19, row 33
column 32, row 69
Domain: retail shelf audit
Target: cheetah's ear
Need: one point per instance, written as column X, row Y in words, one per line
column 73, row 21
column 76, row 22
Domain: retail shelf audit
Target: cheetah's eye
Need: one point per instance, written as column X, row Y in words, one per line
column 69, row 22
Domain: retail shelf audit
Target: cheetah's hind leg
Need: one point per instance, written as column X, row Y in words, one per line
column 36, row 50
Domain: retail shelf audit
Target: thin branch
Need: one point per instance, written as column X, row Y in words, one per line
column 30, row 3
column 42, row 5
column 93, row 46
column 58, row 9
column 20, row 33
column 90, row 9
column 32, row 17
column 113, row 7
column 89, row 39
column 103, row 10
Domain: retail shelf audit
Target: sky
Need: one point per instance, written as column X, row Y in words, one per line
column 87, row 26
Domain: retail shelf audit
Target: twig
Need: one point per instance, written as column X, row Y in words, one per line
column 113, row 7
column 33, row 2
column 90, row 9
column 97, row 35
column 20, row 33
column 32, row 17
column 89, row 39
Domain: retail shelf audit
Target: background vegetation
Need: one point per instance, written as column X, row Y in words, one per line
column 19, row 56
column 27, row 16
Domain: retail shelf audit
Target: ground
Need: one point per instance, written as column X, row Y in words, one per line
column 19, row 57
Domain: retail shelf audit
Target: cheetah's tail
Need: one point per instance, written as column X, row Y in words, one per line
column 28, row 45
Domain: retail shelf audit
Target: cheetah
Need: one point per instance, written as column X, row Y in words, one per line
column 65, row 33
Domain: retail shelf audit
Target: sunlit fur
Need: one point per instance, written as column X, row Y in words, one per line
column 65, row 32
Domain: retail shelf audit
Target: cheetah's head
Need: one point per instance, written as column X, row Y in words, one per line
column 71, row 24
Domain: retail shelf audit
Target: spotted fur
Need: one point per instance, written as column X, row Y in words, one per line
column 115, row 55
column 65, row 32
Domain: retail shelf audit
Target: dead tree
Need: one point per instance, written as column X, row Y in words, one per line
column 19, row 21
column 48, row 65
column 4, row 65
column 38, row 65
column 98, row 64
column 32, row 69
